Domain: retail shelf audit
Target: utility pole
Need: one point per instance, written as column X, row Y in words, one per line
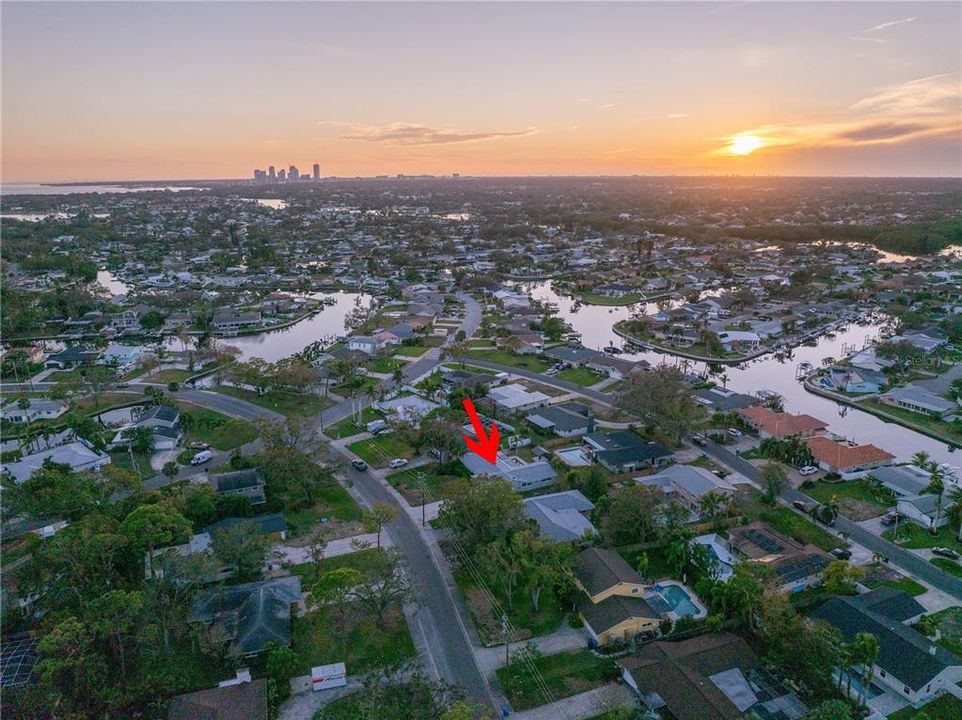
column 420, row 477
column 507, row 639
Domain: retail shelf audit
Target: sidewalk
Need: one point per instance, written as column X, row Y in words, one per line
column 562, row 640
column 342, row 546
column 582, row 706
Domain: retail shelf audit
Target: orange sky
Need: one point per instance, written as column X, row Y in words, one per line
column 201, row 90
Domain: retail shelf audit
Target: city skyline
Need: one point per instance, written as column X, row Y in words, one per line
column 121, row 91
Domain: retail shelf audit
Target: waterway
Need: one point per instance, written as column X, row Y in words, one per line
column 594, row 323
column 38, row 189
column 274, row 345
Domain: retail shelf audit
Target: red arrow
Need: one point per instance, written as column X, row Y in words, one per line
column 486, row 446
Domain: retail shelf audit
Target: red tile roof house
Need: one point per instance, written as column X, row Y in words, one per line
column 846, row 458
column 781, row 425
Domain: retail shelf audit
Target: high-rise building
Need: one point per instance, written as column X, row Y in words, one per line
column 292, row 173
column 281, row 175
column 271, row 174
column 317, row 171
column 259, row 175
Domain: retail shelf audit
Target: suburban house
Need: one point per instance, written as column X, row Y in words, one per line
column 613, row 605
column 739, row 339
column 837, row 457
column 562, row 516
column 561, row 421
column 248, row 700
column 78, row 455
column 903, row 480
column 451, row 379
column 394, row 335
column 721, row 550
column 909, row 665
column 246, row 483
column 575, row 356
column 709, row 677
column 614, row 367
column 38, row 409
column 364, row 344
column 268, row 524
column 856, row 380
column 796, row 566
column 688, row 484
column 623, row 451
column 523, row 476
column 613, row 290
column 122, row 356
column 168, row 562
column 73, row 356
column 768, row 423
column 164, row 420
column 229, row 321
column 924, row 510
column 515, row 397
column 251, row 615
column 719, row 399
column 919, row 401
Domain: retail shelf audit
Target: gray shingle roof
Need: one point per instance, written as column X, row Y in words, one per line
column 559, row 515
column 903, row 653
column 599, row 569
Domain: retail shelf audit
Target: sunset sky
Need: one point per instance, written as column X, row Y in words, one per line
column 121, row 91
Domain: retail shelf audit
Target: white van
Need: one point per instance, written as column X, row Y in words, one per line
column 201, row 457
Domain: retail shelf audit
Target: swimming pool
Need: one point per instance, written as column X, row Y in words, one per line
column 675, row 599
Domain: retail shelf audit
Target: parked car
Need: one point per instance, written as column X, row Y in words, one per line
column 202, row 457
column 550, row 371
column 359, row 465
column 122, row 385
column 808, row 470
column 735, row 432
column 397, row 463
column 840, row 553
column 700, row 440
column 199, row 446
column 891, row 517
column 945, row 552
column 805, row 507
column 376, row 427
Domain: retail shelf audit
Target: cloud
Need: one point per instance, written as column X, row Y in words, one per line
column 414, row 134
column 607, row 105
column 584, row 100
column 891, row 23
column 677, row 116
column 933, row 94
column 883, row 131
column 880, row 41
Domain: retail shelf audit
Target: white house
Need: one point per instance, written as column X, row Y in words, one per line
column 78, row 455
column 364, row 344
column 515, row 397
column 38, row 409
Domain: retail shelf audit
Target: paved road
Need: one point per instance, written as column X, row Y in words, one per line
column 597, row 396
column 904, row 559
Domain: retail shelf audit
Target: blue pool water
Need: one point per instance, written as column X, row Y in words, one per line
column 678, row 600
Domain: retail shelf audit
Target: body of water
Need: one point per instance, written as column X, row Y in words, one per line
column 595, row 323
column 111, row 283
column 38, row 189
column 276, row 345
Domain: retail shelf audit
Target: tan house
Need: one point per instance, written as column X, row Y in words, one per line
column 768, row 423
column 613, row 606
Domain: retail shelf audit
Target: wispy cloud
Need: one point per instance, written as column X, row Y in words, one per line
column 898, row 113
column 677, row 116
column 879, row 41
column 607, row 105
column 584, row 100
column 887, row 25
column 415, row 134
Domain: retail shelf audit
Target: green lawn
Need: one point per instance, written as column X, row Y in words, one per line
column 658, row 568
column 139, row 465
column 410, row 350
column 580, row 376
column 505, row 357
column 593, row 299
column 856, row 499
column 284, row 403
column 219, row 431
column 320, row 638
column 785, row 521
column 914, row 537
column 170, row 375
column 526, row 621
column 333, row 503
column 565, row 674
column 379, row 451
column 406, row 481
column 384, row 365
column 949, row 621
column 945, row 707
column 946, row 565
column 944, row 429
column 366, row 562
column 347, row 427
column 905, row 584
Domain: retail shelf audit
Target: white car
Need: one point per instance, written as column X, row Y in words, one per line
column 735, row 432
column 397, row 463
column 808, row 470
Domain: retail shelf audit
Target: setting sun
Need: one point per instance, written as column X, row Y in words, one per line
column 744, row 144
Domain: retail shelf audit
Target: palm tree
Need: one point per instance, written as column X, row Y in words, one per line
column 936, row 486
column 955, row 495
column 710, row 505
column 864, row 651
column 921, row 459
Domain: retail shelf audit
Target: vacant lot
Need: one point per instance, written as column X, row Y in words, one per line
column 580, row 376
column 504, row 357
column 379, row 451
column 434, row 477
column 914, row 537
column 856, row 499
column 284, row 403
column 347, row 427
column 784, row 520
column 219, row 431
column 565, row 674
